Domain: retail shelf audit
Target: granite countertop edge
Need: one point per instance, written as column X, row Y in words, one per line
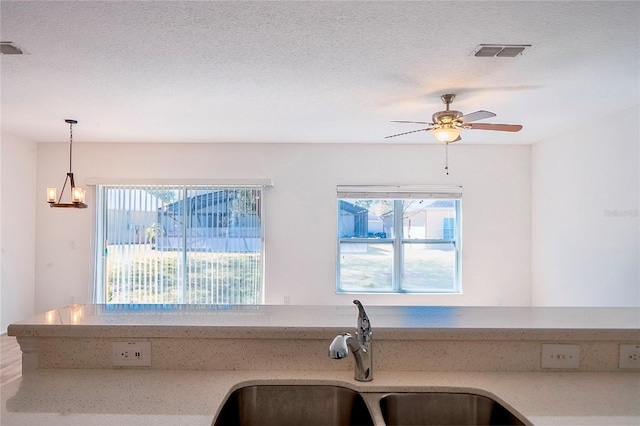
column 265, row 332
column 193, row 397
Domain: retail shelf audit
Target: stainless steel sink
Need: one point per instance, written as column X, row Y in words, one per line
column 286, row 405
column 332, row 405
column 435, row 408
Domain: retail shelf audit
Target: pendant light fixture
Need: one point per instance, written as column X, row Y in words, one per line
column 77, row 193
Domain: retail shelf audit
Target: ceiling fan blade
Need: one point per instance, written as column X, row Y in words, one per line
column 498, row 127
column 478, row 115
column 406, row 133
column 411, row 122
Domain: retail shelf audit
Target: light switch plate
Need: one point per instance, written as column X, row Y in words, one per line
column 560, row 356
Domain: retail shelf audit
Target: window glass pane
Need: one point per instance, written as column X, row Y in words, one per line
column 428, row 267
column 365, row 218
column 366, row 267
column 137, row 267
column 428, row 219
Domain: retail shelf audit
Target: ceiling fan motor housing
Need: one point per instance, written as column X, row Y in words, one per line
column 445, row 117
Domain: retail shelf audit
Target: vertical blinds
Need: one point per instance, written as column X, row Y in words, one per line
column 180, row 244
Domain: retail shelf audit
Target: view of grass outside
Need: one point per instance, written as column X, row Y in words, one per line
column 366, row 267
column 428, row 267
column 369, row 267
column 139, row 274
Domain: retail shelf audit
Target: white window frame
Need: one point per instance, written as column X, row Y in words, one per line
column 399, row 193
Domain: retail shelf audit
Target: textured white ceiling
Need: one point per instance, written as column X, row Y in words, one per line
column 183, row 71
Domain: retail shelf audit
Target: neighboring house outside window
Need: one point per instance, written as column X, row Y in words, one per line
column 448, row 227
column 399, row 239
column 179, row 244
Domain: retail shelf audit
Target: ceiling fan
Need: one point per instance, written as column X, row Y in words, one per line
column 447, row 124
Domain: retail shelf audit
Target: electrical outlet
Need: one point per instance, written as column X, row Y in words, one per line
column 629, row 357
column 131, row 354
column 560, row 356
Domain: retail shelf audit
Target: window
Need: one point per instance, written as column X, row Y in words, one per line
column 179, row 244
column 399, row 239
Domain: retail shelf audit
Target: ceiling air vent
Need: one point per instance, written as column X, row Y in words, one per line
column 499, row 50
column 9, row 48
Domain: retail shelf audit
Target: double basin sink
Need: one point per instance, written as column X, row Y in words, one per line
column 314, row 405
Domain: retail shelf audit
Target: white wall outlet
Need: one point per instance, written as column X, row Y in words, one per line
column 560, row 356
column 629, row 357
column 131, row 354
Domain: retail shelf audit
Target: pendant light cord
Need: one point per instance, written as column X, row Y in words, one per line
column 70, row 174
column 70, row 144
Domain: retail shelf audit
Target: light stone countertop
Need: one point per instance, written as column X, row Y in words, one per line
column 300, row 321
column 188, row 397
column 192, row 396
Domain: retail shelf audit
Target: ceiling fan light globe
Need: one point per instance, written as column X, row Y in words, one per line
column 449, row 134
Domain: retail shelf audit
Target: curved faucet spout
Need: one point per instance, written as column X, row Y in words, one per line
column 360, row 346
column 363, row 328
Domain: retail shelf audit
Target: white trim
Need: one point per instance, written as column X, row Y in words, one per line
column 146, row 181
column 399, row 191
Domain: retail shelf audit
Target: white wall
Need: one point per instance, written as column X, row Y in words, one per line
column 300, row 212
column 585, row 221
column 17, row 223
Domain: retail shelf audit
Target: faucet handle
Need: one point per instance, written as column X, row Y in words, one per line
column 363, row 329
column 339, row 349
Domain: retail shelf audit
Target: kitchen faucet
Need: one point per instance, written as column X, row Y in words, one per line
column 360, row 346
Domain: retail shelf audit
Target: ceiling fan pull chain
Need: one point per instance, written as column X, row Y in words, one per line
column 446, row 157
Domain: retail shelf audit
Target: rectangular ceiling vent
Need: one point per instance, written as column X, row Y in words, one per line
column 499, row 50
column 9, row 48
